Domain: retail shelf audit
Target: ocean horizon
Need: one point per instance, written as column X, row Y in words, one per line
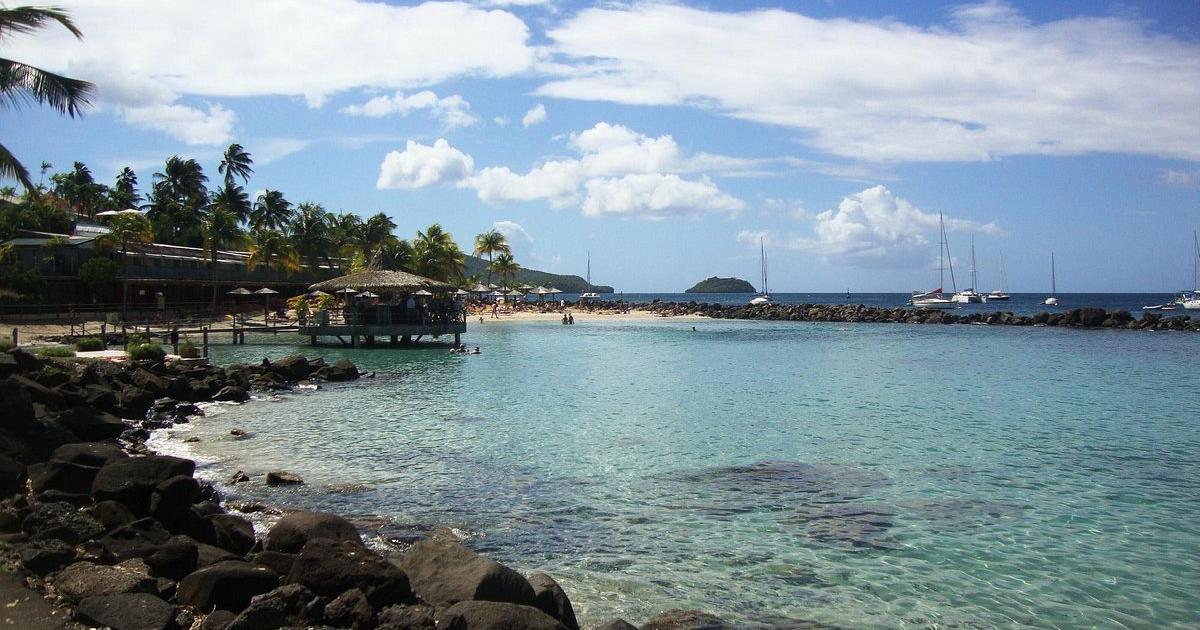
column 772, row 473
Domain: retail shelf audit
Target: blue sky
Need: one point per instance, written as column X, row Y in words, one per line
column 668, row 138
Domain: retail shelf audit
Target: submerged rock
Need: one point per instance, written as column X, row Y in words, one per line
column 444, row 573
column 484, row 615
column 283, row 478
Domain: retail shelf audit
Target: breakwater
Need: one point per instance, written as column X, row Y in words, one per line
column 118, row 536
column 859, row 313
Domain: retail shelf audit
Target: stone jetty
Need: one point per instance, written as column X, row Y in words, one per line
column 116, row 536
column 859, row 313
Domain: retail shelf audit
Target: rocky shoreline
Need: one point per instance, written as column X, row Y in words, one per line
column 859, row 313
column 117, row 536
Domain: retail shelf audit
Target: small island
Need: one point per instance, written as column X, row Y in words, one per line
column 722, row 285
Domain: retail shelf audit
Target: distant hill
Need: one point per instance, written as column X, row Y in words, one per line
column 569, row 284
column 722, row 285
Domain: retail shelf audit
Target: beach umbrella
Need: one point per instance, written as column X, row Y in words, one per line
column 266, row 293
column 240, row 291
column 460, row 292
column 422, row 293
column 366, row 294
column 117, row 213
column 316, row 294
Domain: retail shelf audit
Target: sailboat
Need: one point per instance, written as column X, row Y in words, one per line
column 934, row 298
column 1190, row 300
column 969, row 295
column 765, row 297
column 589, row 295
column 1052, row 300
column 999, row 295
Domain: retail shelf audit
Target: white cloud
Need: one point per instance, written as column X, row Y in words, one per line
column 987, row 84
column 451, row 110
column 534, row 116
column 267, row 150
column 191, row 125
column 755, row 237
column 556, row 181
column 510, row 229
column 1182, row 179
column 134, row 53
column 875, row 228
column 500, row 121
column 655, row 196
column 420, row 165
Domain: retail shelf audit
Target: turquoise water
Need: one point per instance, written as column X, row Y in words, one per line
column 773, row 472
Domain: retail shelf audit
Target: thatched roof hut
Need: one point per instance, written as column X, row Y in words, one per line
column 382, row 281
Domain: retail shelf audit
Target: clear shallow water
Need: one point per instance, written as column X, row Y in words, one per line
column 855, row 475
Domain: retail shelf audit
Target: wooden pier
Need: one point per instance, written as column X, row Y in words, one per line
column 366, row 326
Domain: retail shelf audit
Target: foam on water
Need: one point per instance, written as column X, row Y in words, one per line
column 769, row 472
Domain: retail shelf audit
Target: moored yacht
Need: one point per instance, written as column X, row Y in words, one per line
column 935, row 298
column 765, row 298
column 969, row 295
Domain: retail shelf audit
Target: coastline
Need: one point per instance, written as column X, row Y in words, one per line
column 115, row 534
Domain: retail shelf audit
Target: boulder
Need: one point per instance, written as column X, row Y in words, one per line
column 173, row 496
column 39, row 393
column 209, row 555
column 489, row 615
column 291, row 532
column 134, row 402
column 1090, row 317
column 94, row 454
column 341, row 370
column 232, row 393
column 283, row 607
column 234, row 533
column 45, row 556
column 112, row 515
column 443, row 573
column 283, row 478
column 227, row 585
column 12, row 476
column 174, row 559
column 277, row 561
column 293, row 368
column 618, row 624
column 685, row 620
column 90, row 423
column 85, row 579
column 218, row 620
column 330, row 568
column 132, row 481
column 550, row 598
column 62, row 476
column 135, row 540
column 60, row 521
column 350, row 610
column 128, row 611
column 417, row 617
column 149, row 381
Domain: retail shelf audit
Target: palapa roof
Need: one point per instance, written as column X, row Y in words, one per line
column 391, row 281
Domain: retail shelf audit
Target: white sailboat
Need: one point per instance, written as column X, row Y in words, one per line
column 969, row 295
column 1000, row 294
column 1190, row 300
column 589, row 295
column 1052, row 300
column 934, row 298
column 765, row 296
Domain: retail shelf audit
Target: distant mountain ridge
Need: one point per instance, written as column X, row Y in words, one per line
column 722, row 285
column 569, row 284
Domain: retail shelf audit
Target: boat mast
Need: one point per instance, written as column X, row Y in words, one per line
column 589, row 270
column 1003, row 274
column 762, row 250
column 1053, row 280
column 941, row 253
column 949, row 259
column 974, row 278
column 1196, row 264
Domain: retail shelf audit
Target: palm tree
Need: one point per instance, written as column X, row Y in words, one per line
column 125, row 230
column 505, row 266
column 220, row 229
column 491, row 243
column 375, row 233
column 436, row 255
column 271, row 211
column 234, row 199
column 395, row 255
column 310, row 235
column 271, row 248
column 124, row 194
column 21, row 83
column 236, row 161
column 177, row 202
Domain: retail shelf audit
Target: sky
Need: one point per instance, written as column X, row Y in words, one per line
column 668, row 140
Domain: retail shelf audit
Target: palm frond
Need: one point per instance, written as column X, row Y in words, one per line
column 21, row 83
column 18, row 20
column 10, row 166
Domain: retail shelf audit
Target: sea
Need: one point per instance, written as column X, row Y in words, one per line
column 776, row 474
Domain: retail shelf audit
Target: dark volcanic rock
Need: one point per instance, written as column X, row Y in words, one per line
column 277, row 561
column 488, row 615
column 292, row 531
column 174, row 559
column 62, row 476
column 232, row 393
column 90, row 423
column 618, row 624
column 330, row 568
column 174, row 495
column 88, row 453
column 234, row 533
column 350, row 610
column 218, row 620
column 85, row 579
column 685, row 620
column 44, row 556
column 550, row 598
column 112, row 514
column 60, row 521
column 283, row 478
column 132, row 481
column 417, row 617
column 135, row 540
column 293, row 368
column 130, row 611
column 283, row 607
column 227, row 585
column 444, row 573
column 12, row 476
column 341, row 370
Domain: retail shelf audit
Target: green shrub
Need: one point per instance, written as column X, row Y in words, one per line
column 56, row 351
column 145, row 352
column 89, row 344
